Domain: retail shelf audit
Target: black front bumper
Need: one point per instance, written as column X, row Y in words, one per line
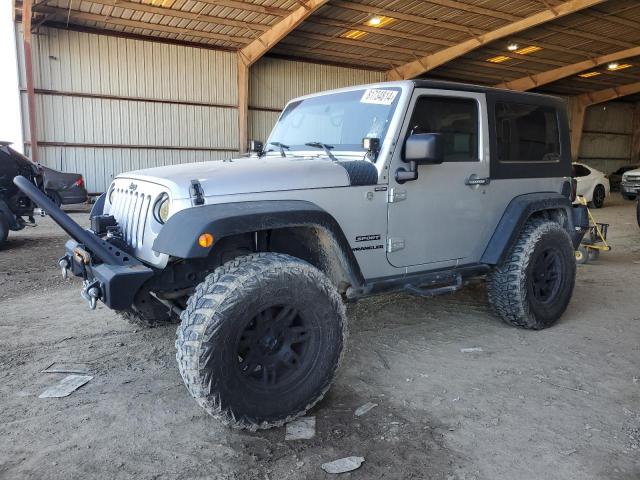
column 110, row 274
column 115, row 285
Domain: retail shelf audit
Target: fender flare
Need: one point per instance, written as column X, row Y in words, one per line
column 179, row 236
column 516, row 215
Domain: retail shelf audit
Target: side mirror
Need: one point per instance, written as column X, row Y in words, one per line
column 256, row 146
column 424, row 149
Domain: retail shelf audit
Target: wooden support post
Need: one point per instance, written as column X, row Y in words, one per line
column 635, row 134
column 243, row 104
column 577, row 109
column 28, row 68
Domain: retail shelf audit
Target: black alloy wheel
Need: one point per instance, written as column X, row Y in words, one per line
column 547, row 272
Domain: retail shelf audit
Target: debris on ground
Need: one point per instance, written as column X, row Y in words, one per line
column 59, row 367
column 471, row 350
column 304, row 428
column 361, row 410
column 343, row 465
column 66, row 386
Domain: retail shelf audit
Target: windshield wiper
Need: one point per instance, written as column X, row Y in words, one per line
column 281, row 146
column 325, row 147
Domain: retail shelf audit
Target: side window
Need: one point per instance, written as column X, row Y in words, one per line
column 527, row 133
column 455, row 118
column 580, row 171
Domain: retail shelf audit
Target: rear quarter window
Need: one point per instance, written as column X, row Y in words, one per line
column 529, row 140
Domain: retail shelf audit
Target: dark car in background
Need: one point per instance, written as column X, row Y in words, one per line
column 63, row 188
column 615, row 178
column 15, row 206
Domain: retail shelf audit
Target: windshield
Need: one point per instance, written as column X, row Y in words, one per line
column 341, row 120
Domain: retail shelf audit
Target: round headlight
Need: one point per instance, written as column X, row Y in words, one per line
column 162, row 208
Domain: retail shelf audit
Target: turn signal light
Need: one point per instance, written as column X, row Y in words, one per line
column 205, row 240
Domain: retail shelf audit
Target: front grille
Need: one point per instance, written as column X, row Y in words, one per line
column 131, row 210
column 632, row 180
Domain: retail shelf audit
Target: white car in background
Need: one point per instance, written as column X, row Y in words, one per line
column 593, row 185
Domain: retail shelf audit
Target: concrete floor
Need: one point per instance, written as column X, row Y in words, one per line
column 563, row 403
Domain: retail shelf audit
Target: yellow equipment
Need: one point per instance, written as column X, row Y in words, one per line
column 595, row 241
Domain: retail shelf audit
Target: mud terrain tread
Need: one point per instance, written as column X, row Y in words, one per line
column 202, row 317
column 506, row 284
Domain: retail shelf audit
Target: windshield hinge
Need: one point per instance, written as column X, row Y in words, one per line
column 396, row 195
column 196, row 192
column 394, row 244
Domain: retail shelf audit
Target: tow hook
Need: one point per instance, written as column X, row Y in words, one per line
column 64, row 265
column 91, row 292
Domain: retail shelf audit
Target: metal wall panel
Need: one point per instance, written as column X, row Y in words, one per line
column 606, row 139
column 153, row 84
column 100, row 165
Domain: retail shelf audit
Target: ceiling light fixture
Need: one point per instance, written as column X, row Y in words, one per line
column 354, row 34
column 512, row 47
column 618, row 66
column 528, row 50
column 589, row 74
column 379, row 21
column 498, row 59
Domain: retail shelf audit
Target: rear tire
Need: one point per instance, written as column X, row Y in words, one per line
column 533, row 286
column 4, row 230
column 598, row 196
column 261, row 340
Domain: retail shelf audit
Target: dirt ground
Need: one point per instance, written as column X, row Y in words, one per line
column 563, row 403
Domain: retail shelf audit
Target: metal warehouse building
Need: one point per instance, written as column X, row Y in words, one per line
column 114, row 85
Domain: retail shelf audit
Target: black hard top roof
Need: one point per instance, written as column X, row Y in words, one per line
column 469, row 87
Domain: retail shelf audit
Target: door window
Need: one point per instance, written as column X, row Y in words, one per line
column 456, row 119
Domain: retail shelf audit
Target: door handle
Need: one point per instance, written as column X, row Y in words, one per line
column 474, row 180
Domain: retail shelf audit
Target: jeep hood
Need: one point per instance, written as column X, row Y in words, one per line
column 245, row 175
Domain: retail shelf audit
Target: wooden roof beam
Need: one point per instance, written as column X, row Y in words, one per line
column 601, row 96
column 429, row 62
column 261, row 45
column 92, row 17
column 542, row 78
column 172, row 12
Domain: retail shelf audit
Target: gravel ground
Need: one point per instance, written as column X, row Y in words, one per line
column 563, row 403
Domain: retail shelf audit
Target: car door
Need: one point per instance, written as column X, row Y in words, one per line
column 439, row 219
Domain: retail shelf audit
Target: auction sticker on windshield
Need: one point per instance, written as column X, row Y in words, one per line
column 378, row 96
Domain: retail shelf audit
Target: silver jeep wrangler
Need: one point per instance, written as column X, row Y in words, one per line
column 407, row 186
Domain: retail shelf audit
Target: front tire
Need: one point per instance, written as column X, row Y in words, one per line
column 533, row 286
column 261, row 340
column 628, row 197
column 4, row 230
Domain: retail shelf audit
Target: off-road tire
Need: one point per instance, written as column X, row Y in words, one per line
column 213, row 328
column 4, row 230
column 599, row 194
column 510, row 286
